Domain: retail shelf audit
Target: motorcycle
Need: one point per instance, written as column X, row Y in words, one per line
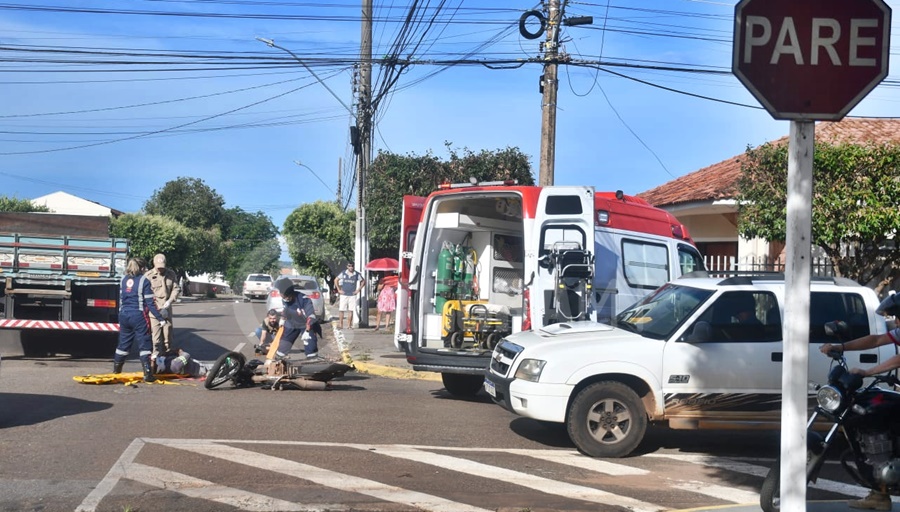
column 277, row 375
column 869, row 418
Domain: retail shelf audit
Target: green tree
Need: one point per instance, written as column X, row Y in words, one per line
column 151, row 234
column 392, row 176
column 188, row 251
column 189, row 201
column 319, row 237
column 855, row 205
column 251, row 243
column 14, row 204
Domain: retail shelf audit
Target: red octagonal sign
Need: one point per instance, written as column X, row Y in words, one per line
column 811, row 59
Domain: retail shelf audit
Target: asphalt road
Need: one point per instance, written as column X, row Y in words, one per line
column 371, row 443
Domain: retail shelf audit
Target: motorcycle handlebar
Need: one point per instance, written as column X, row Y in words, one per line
column 835, row 354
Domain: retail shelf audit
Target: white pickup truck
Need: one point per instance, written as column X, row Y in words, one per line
column 257, row 286
column 697, row 353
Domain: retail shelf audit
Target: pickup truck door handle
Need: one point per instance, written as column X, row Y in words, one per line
column 868, row 358
column 778, row 357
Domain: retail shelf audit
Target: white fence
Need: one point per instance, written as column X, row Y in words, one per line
column 821, row 267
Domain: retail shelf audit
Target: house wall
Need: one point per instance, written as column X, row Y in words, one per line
column 709, row 228
column 722, row 227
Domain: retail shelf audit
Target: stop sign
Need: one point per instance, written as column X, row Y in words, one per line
column 811, row 59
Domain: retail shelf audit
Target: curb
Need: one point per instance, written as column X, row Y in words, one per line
column 377, row 369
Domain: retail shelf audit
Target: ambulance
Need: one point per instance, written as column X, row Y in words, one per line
column 480, row 261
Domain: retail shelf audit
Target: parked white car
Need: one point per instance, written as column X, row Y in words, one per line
column 685, row 355
column 257, row 286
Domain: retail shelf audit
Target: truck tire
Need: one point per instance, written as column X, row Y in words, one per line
column 606, row 419
column 463, row 386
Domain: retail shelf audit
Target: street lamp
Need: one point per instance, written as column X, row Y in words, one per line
column 301, row 164
column 360, row 243
column 272, row 44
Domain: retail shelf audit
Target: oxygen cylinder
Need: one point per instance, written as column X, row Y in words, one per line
column 459, row 271
column 444, row 285
column 459, row 263
column 469, row 275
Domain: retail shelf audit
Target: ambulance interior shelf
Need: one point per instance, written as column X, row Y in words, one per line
column 485, row 269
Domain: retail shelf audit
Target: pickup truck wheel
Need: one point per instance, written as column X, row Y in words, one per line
column 464, row 386
column 606, row 419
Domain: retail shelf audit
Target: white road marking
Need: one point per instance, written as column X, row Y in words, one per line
column 720, row 492
column 576, row 459
column 760, row 471
column 324, row 477
column 509, row 476
column 125, row 467
column 112, row 477
column 203, row 489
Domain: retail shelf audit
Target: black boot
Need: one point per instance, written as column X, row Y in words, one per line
column 117, row 367
column 148, row 373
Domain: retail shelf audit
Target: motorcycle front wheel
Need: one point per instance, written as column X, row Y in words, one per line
column 224, row 369
column 770, row 493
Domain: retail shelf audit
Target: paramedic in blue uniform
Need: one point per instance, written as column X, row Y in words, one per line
column 135, row 301
column 299, row 316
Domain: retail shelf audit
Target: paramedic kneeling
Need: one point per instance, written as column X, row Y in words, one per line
column 299, row 316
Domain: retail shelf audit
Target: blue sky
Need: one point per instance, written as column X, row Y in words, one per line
column 108, row 100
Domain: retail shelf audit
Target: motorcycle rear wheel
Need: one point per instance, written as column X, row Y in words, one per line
column 225, row 369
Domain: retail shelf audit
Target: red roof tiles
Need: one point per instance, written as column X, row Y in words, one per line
column 718, row 181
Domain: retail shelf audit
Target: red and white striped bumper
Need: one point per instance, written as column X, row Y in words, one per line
column 53, row 324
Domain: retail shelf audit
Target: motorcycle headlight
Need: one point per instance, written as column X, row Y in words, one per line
column 530, row 369
column 829, row 398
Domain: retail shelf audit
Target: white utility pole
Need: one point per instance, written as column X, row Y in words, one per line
column 795, row 369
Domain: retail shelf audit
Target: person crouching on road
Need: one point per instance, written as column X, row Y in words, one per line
column 266, row 332
column 135, row 301
column 299, row 316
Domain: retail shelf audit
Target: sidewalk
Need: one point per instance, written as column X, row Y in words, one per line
column 373, row 352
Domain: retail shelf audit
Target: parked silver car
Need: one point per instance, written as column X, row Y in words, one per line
column 307, row 285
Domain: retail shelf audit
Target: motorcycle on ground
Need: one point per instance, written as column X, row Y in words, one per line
column 869, row 418
column 283, row 374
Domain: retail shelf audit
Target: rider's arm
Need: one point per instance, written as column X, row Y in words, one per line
column 863, row 343
column 888, row 365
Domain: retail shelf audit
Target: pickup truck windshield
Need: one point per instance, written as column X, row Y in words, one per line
column 659, row 314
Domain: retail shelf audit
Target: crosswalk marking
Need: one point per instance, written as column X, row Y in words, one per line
column 760, row 471
column 324, row 477
column 204, row 489
column 719, row 492
column 578, row 460
column 239, row 451
column 509, row 476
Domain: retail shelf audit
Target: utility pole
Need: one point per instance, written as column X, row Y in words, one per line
column 364, row 126
column 338, row 194
column 549, row 86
